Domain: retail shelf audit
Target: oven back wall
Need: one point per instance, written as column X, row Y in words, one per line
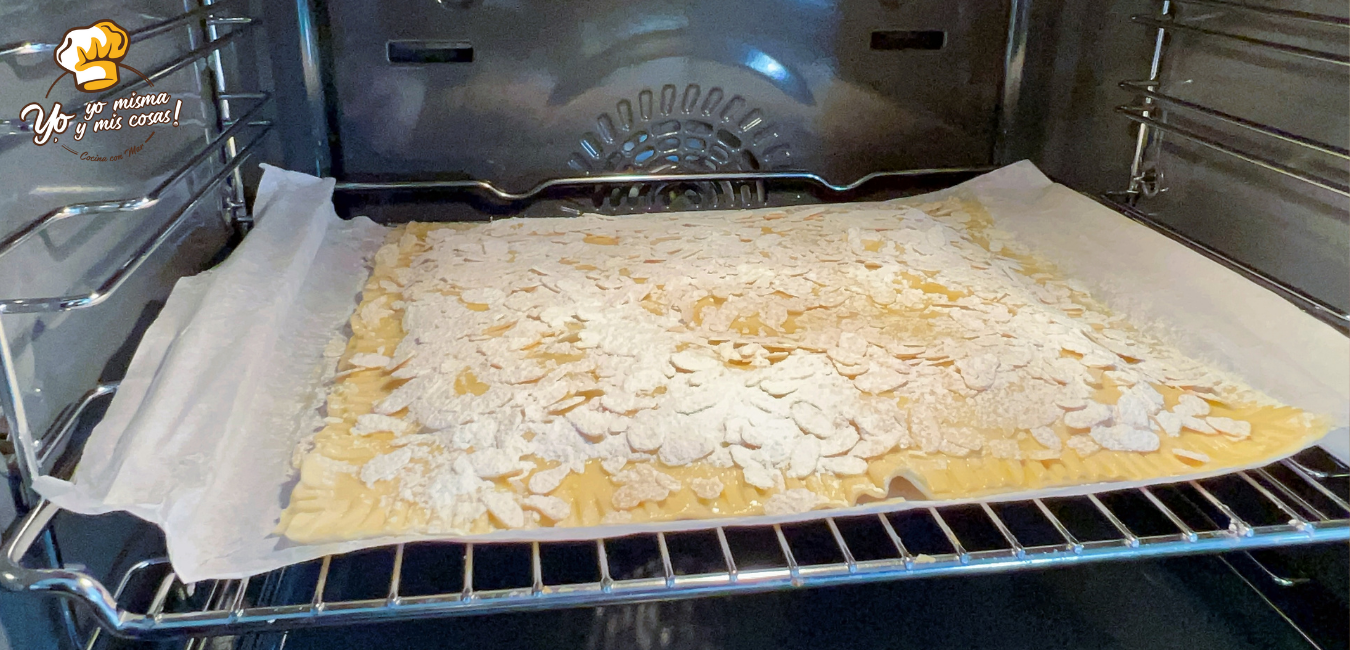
column 518, row 91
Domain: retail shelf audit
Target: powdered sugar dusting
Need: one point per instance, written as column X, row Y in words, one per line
column 786, row 344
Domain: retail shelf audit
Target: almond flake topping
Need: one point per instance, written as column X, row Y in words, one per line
column 1047, row 437
column 1230, row 427
column 368, row 360
column 791, row 502
column 375, row 423
column 1190, row 455
column 706, row 488
column 700, row 339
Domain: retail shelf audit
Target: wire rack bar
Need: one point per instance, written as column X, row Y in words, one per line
column 1235, row 523
column 962, row 556
column 1069, row 539
column 584, row 181
column 1294, row 517
column 602, row 560
column 1125, row 533
column 227, row 611
column 1144, row 89
column 844, row 550
column 1292, row 496
column 149, row 199
column 1321, row 19
column 537, row 569
column 1186, row 532
column 161, row 594
column 1320, row 474
column 1310, row 480
column 726, row 554
column 119, row 277
column 134, row 36
column 905, row 557
column 794, row 571
column 397, row 574
column 1139, row 115
column 237, row 602
column 467, row 593
column 1293, row 50
column 64, row 426
column 316, row 602
column 1008, row 536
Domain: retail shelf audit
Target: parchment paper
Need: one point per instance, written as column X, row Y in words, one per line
column 199, row 438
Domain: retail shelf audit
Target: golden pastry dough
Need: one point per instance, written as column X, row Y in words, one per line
column 882, row 302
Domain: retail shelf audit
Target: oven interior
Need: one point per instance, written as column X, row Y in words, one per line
column 1221, row 123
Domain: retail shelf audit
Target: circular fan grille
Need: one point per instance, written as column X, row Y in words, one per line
column 681, row 133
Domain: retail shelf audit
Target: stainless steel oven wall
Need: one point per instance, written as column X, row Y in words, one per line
column 1293, row 230
column 523, row 91
column 1065, row 122
column 1080, row 51
column 53, row 358
column 290, row 64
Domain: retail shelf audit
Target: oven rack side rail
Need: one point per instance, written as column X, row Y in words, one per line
column 210, row 171
column 224, row 148
column 1158, row 111
column 1285, row 503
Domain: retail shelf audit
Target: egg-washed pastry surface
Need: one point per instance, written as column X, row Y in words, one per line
column 594, row 370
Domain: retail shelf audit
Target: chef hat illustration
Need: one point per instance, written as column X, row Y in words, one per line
column 91, row 54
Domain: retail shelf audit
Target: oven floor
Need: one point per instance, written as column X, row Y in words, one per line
column 1194, row 603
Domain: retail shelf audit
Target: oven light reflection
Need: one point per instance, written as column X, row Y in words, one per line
column 766, row 65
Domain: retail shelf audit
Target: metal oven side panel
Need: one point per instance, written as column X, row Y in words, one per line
column 1065, row 122
column 1294, row 231
column 562, row 89
column 53, row 358
column 1068, row 123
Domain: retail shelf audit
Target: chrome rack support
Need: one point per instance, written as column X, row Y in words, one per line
column 1321, row 19
column 135, row 36
column 1303, row 52
column 1145, row 89
column 182, row 61
column 149, row 199
column 50, row 444
column 30, row 463
column 1144, row 182
column 123, row 272
column 1141, row 116
column 1139, row 183
column 602, row 559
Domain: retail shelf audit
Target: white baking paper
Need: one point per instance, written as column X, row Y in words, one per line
column 1205, row 310
column 200, row 436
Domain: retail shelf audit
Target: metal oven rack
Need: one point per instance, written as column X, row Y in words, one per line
column 1296, row 501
